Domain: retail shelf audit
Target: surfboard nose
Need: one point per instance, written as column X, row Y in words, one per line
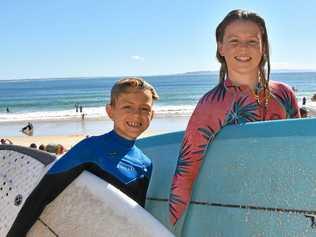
column 21, row 169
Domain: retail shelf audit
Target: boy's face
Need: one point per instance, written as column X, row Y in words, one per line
column 131, row 113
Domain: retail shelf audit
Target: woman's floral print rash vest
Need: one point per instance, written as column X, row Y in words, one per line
column 223, row 105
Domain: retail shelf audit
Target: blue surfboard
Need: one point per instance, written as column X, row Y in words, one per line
column 257, row 179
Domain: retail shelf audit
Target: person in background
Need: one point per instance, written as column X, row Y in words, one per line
column 42, row 147
column 33, row 145
column 83, row 116
column 28, row 129
column 5, row 141
column 76, row 106
column 304, row 112
column 304, row 101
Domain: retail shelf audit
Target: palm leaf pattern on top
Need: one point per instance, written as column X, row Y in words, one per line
column 184, row 159
column 184, row 164
column 208, row 133
column 286, row 101
column 217, row 93
column 242, row 112
column 174, row 201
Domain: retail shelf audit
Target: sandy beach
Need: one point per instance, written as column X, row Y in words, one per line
column 70, row 132
column 66, row 141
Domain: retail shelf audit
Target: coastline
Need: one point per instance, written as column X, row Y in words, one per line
column 67, row 141
column 70, row 132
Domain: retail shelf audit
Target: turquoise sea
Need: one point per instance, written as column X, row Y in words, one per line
column 43, row 99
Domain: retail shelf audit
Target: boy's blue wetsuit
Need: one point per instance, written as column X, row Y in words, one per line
column 109, row 156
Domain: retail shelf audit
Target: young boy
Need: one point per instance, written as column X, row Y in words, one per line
column 112, row 156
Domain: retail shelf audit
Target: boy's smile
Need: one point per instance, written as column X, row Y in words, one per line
column 131, row 113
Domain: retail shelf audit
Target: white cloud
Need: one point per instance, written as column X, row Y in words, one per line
column 137, row 58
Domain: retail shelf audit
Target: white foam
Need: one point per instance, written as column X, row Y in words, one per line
column 90, row 112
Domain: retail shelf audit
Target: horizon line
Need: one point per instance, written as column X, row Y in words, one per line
column 201, row 72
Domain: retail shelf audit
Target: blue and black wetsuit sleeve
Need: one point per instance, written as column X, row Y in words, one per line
column 136, row 189
column 141, row 192
column 52, row 184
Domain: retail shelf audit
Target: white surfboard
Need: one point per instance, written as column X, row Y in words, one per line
column 90, row 206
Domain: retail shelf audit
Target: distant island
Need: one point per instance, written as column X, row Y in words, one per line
column 205, row 72
column 201, row 72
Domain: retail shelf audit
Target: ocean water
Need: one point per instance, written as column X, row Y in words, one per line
column 44, row 99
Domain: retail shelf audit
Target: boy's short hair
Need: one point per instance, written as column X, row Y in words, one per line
column 125, row 84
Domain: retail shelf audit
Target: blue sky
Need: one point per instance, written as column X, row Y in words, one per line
column 74, row 38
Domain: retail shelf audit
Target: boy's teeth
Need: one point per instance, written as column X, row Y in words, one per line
column 133, row 124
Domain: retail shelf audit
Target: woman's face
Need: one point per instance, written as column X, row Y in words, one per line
column 242, row 47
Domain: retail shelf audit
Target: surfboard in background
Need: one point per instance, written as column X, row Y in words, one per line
column 257, row 179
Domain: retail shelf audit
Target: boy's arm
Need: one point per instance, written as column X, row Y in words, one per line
column 143, row 190
column 138, row 190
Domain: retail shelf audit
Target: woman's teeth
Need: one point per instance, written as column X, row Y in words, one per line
column 243, row 58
